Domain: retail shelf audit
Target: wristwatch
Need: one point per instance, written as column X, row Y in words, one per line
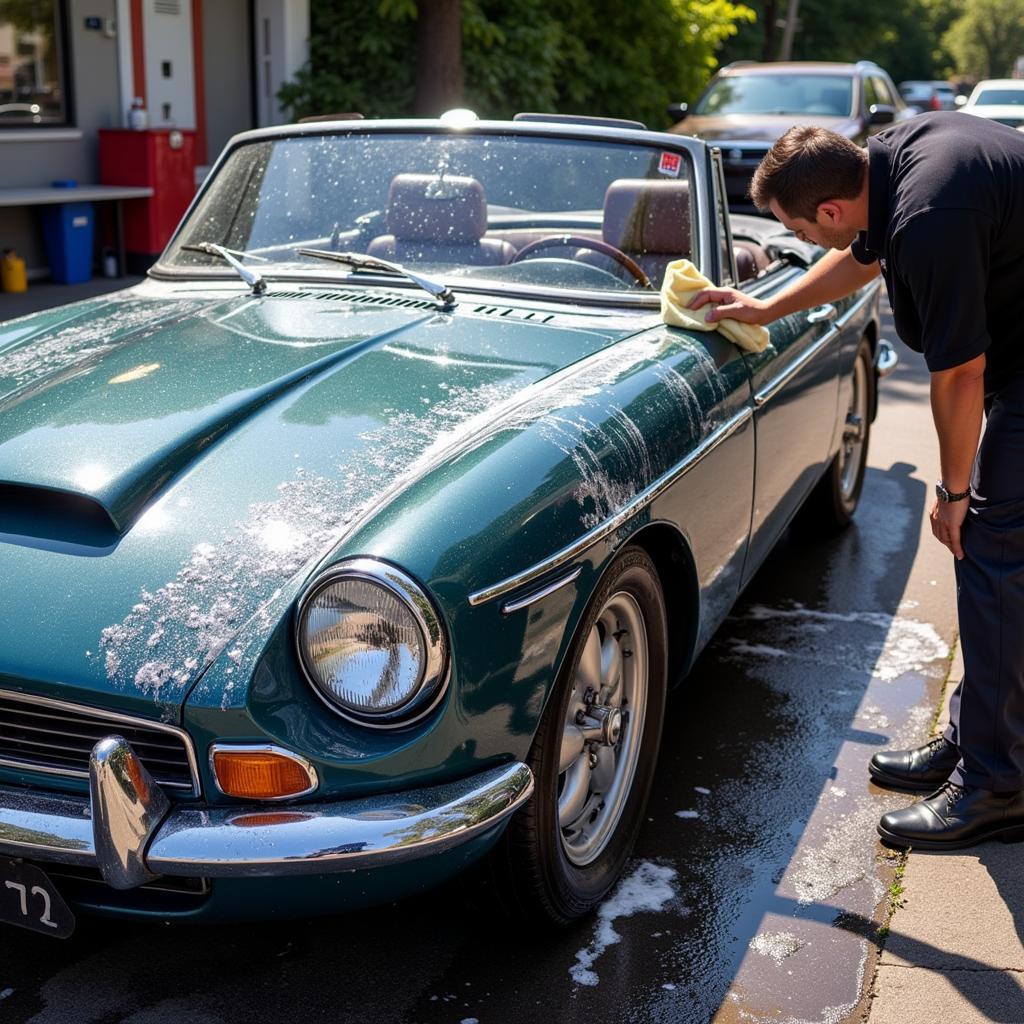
column 947, row 496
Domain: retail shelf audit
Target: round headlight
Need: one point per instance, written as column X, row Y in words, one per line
column 371, row 644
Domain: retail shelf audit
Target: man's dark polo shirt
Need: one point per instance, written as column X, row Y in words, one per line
column 946, row 220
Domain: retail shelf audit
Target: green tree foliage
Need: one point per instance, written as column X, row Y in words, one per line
column 987, row 38
column 905, row 38
column 598, row 57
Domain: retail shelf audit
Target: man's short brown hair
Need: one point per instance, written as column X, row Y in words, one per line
column 806, row 167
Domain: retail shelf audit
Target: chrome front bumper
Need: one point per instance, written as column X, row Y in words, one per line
column 129, row 830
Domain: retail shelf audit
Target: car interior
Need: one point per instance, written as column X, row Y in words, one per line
column 445, row 221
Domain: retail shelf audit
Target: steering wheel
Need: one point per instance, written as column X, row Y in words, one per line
column 559, row 241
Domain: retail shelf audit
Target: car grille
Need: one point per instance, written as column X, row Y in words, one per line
column 55, row 737
column 165, row 895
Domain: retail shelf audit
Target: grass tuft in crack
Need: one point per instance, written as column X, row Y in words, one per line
column 894, row 893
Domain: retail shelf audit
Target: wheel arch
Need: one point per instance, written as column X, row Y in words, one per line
column 677, row 573
column 871, row 334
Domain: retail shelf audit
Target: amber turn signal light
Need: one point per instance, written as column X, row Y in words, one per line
column 261, row 773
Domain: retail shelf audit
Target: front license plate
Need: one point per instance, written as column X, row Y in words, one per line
column 28, row 899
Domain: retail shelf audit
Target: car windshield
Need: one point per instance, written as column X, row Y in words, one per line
column 464, row 207
column 1000, row 97
column 826, row 95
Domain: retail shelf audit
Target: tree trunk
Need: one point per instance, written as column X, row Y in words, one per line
column 438, row 56
column 768, row 48
column 786, row 50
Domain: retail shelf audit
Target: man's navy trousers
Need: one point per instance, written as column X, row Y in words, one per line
column 987, row 708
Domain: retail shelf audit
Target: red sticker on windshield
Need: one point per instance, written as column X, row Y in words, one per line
column 669, row 164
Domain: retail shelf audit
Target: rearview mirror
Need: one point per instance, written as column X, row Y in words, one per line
column 881, row 113
column 959, row 100
column 676, row 111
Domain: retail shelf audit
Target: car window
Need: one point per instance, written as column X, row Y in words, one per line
column 993, row 97
column 882, row 91
column 870, row 93
column 827, row 95
column 464, row 204
column 722, row 217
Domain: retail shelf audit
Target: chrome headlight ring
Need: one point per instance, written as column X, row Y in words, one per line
column 395, row 586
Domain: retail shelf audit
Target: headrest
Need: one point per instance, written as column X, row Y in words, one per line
column 428, row 208
column 647, row 216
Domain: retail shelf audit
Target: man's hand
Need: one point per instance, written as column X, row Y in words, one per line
column 735, row 305
column 947, row 518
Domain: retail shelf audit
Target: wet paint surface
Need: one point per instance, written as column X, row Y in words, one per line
column 756, row 884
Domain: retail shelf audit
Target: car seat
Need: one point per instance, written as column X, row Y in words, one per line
column 432, row 219
column 648, row 220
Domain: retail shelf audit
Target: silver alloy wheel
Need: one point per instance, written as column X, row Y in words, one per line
column 603, row 729
column 852, row 451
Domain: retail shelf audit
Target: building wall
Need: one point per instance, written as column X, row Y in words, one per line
column 32, row 158
column 35, row 157
column 227, row 67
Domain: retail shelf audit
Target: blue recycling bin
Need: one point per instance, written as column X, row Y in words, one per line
column 68, row 231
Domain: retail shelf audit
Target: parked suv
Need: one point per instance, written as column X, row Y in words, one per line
column 747, row 106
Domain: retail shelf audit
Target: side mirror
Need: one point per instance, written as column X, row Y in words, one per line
column 960, row 100
column 676, row 111
column 881, row 113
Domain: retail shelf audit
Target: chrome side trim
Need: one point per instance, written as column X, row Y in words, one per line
column 265, row 748
column 127, row 808
column 107, row 716
column 252, row 840
column 886, row 358
column 524, row 602
column 776, row 384
column 613, row 523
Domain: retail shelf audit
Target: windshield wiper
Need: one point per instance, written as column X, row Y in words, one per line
column 361, row 261
column 252, row 278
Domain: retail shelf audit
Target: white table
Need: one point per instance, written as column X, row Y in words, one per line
column 81, row 194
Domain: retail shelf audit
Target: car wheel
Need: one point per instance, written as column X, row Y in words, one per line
column 832, row 503
column 594, row 754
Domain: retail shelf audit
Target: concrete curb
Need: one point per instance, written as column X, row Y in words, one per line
column 955, row 949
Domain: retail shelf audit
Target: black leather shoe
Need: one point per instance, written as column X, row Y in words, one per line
column 955, row 817
column 924, row 768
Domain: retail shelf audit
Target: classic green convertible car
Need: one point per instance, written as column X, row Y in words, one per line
column 365, row 537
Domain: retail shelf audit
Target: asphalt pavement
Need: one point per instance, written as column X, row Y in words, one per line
column 757, row 892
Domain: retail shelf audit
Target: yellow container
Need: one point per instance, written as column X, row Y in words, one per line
column 12, row 272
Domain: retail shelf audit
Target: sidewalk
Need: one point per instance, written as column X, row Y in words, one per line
column 955, row 949
column 47, row 295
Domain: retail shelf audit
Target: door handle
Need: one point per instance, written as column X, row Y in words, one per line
column 822, row 314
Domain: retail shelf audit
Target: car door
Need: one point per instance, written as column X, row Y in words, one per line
column 795, row 394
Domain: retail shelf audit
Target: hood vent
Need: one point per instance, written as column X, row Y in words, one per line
column 363, row 298
column 57, row 519
column 534, row 316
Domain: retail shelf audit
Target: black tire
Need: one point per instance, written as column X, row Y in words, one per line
column 534, row 874
column 830, row 507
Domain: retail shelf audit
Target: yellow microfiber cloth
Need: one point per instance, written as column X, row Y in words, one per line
column 682, row 281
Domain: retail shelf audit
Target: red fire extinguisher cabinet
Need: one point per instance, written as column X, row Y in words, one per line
column 165, row 160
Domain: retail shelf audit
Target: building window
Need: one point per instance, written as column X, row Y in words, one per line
column 32, row 74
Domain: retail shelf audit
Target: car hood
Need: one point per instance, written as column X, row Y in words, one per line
column 753, row 127
column 997, row 111
column 169, row 462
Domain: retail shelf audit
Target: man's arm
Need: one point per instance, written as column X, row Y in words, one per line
column 836, row 274
column 958, row 400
